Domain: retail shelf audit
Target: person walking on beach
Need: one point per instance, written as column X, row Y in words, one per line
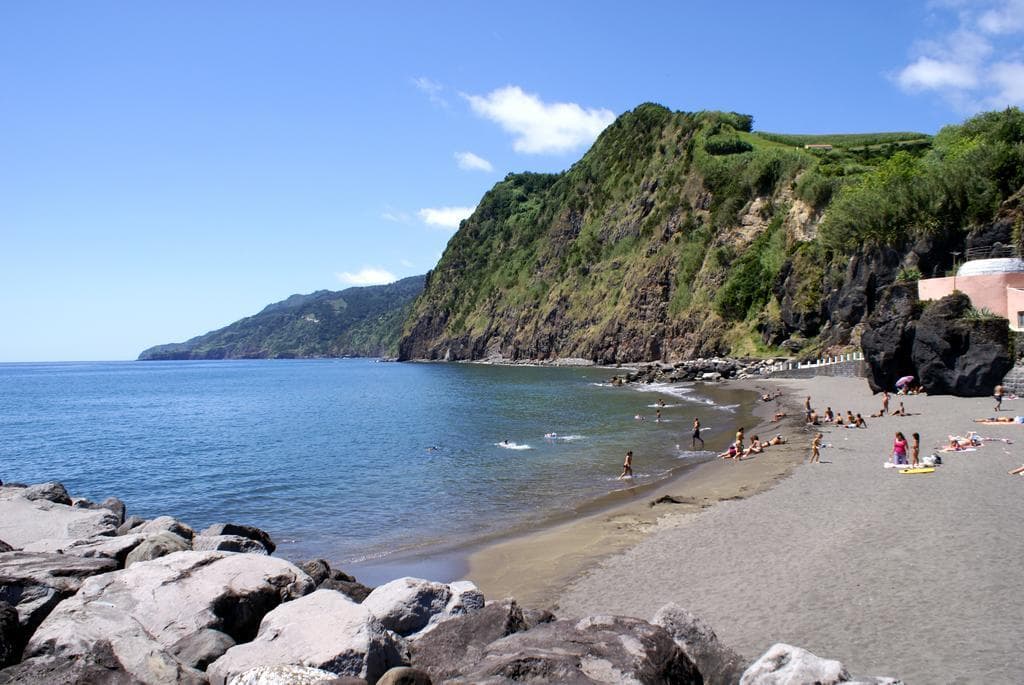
column 807, row 408
column 998, row 396
column 627, row 466
column 696, row 435
column 816, row 449
column 899, row 449
column 915, row 449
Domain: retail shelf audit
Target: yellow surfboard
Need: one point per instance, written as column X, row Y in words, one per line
column 921, row 469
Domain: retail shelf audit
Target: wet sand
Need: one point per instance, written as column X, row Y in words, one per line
column 915, row 576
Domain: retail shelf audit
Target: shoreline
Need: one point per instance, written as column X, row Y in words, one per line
column 534, row 567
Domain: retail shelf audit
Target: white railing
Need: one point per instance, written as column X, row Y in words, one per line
column 824, row 361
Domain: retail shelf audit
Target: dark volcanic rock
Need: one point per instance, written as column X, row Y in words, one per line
column 100, row 665
column 403, row 675
column 959, row 356
column 115, row 505
column 458, row 644
column 4, row 547
column 598, row 649
column 317, row 569
column 888, row 341
column 10, row 635
column 357, row 592
column 52, row 492
column 251, row 532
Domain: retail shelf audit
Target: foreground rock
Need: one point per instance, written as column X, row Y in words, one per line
column 101, row 546
column 288, row 675
column 250, row 532
column 458, row 644
column 35, row 582
column 24, row 521
column 784, row 663
column 598, row 649
column 10, row 635
column 323, row 630
column 719, row 664
column 129, row 624
column 157, row 545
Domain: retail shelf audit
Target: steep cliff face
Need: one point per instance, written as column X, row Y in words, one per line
column 685, row 234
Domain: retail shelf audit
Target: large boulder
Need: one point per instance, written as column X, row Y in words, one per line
column 718, row 664
column 168, row 524
column 157, row 545
column 888, row 339
column 135, row 620
column 458, row 644
column 108, row 547
column 407, row 604
column 783, row 664
column 323, row 630
column 598, row 649
column 51, row 492
column 403, row 675
column 35, row 582
column 289, row 675
column 251, row 532
column 130, row 524
column 958, row 355
column 24, row 521
column 10, row 635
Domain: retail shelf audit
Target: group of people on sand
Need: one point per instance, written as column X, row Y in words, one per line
column 738, row 449
column 835, row 418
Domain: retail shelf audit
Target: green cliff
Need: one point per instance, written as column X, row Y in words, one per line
column 686, row 234
column 359, row 322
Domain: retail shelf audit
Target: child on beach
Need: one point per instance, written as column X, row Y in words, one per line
column 915, row 449
column 816, row 449
column 627, row 466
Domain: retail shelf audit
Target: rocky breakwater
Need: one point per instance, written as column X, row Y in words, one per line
column 89, row 597
column 713, row 369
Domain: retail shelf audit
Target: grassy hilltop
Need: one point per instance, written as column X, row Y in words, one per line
column 686, row 233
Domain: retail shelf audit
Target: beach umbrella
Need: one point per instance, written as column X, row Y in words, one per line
column 903, row 381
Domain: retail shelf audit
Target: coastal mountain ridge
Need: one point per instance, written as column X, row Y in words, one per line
column 687, row 234
column 358, row 322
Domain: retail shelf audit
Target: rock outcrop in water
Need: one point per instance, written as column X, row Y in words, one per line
column 83, row 612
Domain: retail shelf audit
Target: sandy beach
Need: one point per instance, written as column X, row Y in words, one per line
column 905, row 575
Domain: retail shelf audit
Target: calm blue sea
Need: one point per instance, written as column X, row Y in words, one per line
column 352, row 460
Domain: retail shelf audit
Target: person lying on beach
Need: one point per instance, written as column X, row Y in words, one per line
column 900, row 411
column 729, row 453
column 877, row 414
column 1001, row 419
column 1017, row 471
column 778, row 416
column 777, row 440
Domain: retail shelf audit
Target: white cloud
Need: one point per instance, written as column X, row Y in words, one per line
column 433, row 89
column 540, row 127
column 960, row 66
column 445, row 217
column 395, row 215
column 366, row 276
column 471, row 162
column 932, row 74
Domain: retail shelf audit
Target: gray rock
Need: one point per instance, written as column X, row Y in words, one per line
column 784, row 663
column 115, row 547
column 323, row 630
column 251, row 532
column 403, row 675
column 130, row 524
column 115, row 505
column 598, row 649
column 169, row 524
column 357, row 592
column 286, row 675
column 202, row 648
column 227, row 543
column 34, row 582
column 23, row 521
column 51, row 492
column 718, row 664
column 407, row 605
column 4, row 547
column 157, row 545
column 317, row 569
column 466, row 598
column 458, row 644
column 10, row 635
column 140, row 614
column 98, row 666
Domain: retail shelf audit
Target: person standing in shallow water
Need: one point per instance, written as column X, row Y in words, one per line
column 696, row 435
column 627, row 466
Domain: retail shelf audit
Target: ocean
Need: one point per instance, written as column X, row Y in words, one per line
column 373, row 466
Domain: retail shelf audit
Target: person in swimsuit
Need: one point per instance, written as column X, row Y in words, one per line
column 627, row 466
column 998, row 396
column 696, row 435
column 915, row 449
column 816, row 449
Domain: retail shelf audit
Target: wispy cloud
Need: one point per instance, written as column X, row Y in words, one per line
column 395, row 215
column 433, row 90
column 445, row 217
column 366, row 276
column 961, row 65
column 539, row 127
column 471, row 162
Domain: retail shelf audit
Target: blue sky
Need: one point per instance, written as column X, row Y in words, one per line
column 169, row 167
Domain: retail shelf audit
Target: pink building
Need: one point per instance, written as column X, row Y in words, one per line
column 993, row 284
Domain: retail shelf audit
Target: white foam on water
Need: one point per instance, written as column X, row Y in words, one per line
column 554, row 437
column 679, row 392
column 512, row 446
column 664, row 406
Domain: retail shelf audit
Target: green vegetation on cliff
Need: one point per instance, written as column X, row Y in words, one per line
column 359, row 322
column 685, row 233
